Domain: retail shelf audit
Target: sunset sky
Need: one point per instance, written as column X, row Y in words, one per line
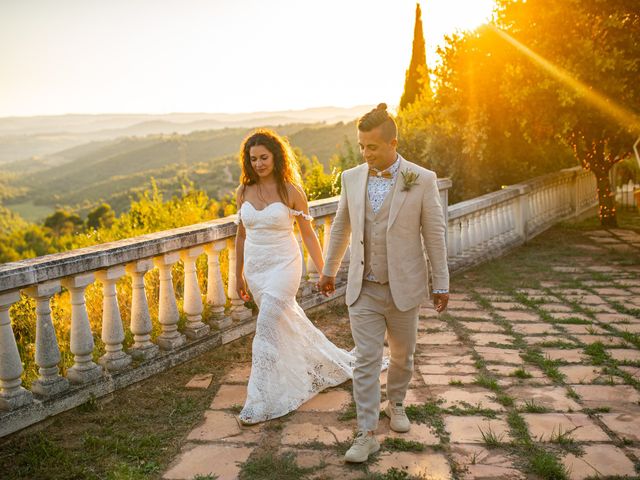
column 159, row 56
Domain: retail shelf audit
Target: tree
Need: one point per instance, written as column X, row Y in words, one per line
column 417, row 75
column 63, row 223
column 586, row 63
column 101, row 216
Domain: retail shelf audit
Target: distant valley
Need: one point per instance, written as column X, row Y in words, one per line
column 112, row 158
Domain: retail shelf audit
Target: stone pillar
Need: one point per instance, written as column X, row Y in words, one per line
column 170, row 337
column 112, row 330
column 301, row 248
column 12, row 394
column 216, row 297
column 143, row 348
column 192, row 297
column 238, row 310
column 84, row 370
column 47, row 352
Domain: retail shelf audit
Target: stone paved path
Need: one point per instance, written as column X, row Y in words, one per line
column 508, row 376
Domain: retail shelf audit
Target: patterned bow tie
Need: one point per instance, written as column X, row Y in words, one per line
column 384, row 174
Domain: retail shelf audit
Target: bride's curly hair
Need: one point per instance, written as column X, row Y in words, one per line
column 285, row 165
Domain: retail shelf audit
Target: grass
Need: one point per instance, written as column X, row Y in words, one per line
column 349, row 413
column 268, row 466
column 520, row 373
column 490, row 438
column 597, row 352
column 133, row 433
column 401, row 445
column 530, row 406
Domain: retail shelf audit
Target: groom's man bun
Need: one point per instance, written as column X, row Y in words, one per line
column 379, row 117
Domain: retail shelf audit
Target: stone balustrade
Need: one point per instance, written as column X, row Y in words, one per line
column 477, row 229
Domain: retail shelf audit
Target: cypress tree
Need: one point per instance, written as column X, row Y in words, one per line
column 417, row 76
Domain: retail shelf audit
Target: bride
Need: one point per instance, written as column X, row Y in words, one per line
column 291, row 359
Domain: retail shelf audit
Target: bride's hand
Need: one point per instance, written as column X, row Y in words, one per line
column 241, row 289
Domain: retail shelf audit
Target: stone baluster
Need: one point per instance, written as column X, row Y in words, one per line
column 12, row 394
column 326, row 233
column 451, row 239
column 168, row 315
column 216, row 298
column 192, row 297
column 464, row 234
column 112, row 330
column 314, row 275
column 49, row 381
column 238, row 310
column 494, row 225
column 473, row 230
column 301, row 248
column 141, row 327
column 84, row 370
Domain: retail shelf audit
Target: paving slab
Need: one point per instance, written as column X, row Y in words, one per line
column 624, row 354
column 606, row 340
column 485, row 327
column 419, row 432
column 545, row 427
column 466, row 397
column 440, row 369
column 555, row 307
column 229, row 396
column 599, row 460
column 479, row 463
column 500, row 355
column 221, row 461
column 508, row 306
column 428, row 464
column 552, row 397
column 590, row 329
column 239, row 374
column 330, row 401
column 534, row 328
column 462, row 305
column 448, row 379
column 474, row 314
column 625, row 425
column 439, row 338
column 470, row 429
column 200, row 381
column 489, row 338
column 568, row 355
column 580, row 373
column 519, row 316
column 615, row 318
column 312, row 432
column 594, row 396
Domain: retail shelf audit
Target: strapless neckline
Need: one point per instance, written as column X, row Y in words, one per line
column 263, row 209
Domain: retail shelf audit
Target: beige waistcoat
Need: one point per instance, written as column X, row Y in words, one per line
column 375, row 240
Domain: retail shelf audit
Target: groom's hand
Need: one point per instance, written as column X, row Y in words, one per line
column 326, row 285
column 440, row 301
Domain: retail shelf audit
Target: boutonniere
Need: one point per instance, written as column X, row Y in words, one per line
column 409, row 179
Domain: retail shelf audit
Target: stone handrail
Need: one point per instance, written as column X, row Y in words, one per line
column 477, row 229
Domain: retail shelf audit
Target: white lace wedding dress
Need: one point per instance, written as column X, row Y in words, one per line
column 292, row 360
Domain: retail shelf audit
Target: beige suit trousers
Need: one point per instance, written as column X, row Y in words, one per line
column 371, row 315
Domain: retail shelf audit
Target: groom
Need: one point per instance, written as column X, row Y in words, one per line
column 387, row 209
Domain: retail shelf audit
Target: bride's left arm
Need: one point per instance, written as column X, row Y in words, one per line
column 307, row 232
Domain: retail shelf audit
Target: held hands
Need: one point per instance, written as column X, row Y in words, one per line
column 241, row 289
column 440, row 301
column 326, row 285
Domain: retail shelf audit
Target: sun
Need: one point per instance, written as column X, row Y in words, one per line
column 444, row 17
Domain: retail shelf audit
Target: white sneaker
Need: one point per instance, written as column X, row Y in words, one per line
column 399, row 422
column 363, row 446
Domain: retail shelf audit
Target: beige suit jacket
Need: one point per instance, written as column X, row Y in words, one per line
column 415, row 217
